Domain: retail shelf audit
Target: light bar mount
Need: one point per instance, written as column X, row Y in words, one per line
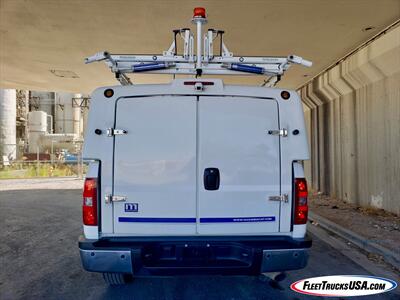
column 204, row 62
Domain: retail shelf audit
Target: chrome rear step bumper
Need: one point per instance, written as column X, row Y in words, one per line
column 194, row 255
column 119, row 261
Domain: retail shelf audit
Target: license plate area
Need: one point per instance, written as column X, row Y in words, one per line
column 198, row 255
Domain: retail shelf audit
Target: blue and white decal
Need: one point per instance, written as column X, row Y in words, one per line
column 189, row 220
column 238, row 219
column 131, row 207
column 156, row 220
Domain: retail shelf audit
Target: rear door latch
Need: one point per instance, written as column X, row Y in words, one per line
column 281, row 198
column 282, row 132
column 114, row 131
column 110, row 198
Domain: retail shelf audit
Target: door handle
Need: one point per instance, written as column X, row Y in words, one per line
column 211, row 179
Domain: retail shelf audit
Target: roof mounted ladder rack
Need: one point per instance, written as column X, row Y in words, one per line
column 204, row 62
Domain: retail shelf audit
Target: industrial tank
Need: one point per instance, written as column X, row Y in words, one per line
column 40, row 140
column 37, row 121
column 8, row 114
column 64, row 113
column 45, row 101
column 70, row 117
column 37, row 125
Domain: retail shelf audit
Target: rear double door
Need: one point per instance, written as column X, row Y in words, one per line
column 196, row 165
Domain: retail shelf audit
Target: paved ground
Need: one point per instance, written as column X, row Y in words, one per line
column 40, row 259
column 54, row 183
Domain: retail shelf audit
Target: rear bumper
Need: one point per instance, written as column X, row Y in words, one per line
column 237, row 255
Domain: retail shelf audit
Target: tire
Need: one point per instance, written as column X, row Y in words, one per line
column 117, row 278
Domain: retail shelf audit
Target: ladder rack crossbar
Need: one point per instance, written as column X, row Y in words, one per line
column 202, row 63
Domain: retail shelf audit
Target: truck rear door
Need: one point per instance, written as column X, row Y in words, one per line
column 155, row 166
column 238, row 166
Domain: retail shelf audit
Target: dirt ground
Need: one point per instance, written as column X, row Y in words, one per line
column 373, row 224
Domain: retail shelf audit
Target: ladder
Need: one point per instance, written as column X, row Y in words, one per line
column 203, row 62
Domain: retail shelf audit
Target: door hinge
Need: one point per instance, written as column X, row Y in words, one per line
column 281, row 198
column 113, row 131
column 282, row 132
column 110, row 198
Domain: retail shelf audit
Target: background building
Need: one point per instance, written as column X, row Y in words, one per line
column 33, row 123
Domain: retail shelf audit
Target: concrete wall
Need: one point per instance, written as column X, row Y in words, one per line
column 353, row 116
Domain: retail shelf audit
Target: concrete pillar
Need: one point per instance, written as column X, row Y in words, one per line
column 8, row 115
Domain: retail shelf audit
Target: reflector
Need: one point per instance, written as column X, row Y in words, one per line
column 202, row 82
column 285, row 95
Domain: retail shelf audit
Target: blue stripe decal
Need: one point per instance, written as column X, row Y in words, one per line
column 238, row 220
column 157, row 220
column 193, row 220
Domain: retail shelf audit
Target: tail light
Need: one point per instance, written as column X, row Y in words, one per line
column 89, row 207
column 300, row 201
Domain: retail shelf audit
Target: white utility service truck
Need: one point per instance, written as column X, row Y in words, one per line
column 194, row 176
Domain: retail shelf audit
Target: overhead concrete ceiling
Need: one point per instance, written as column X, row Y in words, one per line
column 43, row 42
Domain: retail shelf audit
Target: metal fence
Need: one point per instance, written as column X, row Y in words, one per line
column 43, row 168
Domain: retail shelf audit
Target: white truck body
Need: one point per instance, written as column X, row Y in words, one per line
column 172, row 137
column 157, row 174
